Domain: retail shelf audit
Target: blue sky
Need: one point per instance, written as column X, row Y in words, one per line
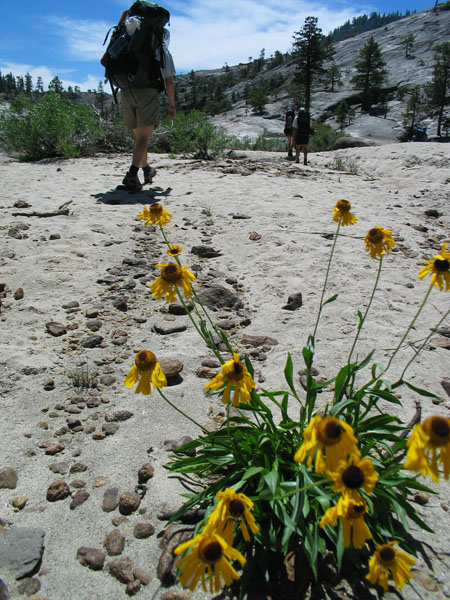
column 50, row 37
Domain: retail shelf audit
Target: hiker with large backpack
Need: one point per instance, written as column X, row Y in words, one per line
column 302, row 131
column 289, row 132
column 137, row 61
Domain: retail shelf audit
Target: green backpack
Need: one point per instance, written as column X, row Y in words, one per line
column 131, row 58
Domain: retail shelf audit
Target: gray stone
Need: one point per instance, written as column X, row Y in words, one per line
column 167, row 328
column 71, row 304
column 205, row 251
column 91, row 341
column 21, row 550
column 350, row 142
column 94, row 558
column 258, row 340
column 217, row 296
column 56, row 329
column 171, row 367
column 109, row 428
column 114, row 543
column 94, row 324
column 29, row 586
column 60, row 468
column 142, row 531
column 294, row 301
column 110, row 499
column 18, row 294
column 446, row 385
column 79, row 498
column 122, row 569
column 142, row 575
column 8, row 478
column 175, row 308
column 120, row 303
column 133, row 587
column 121, row 415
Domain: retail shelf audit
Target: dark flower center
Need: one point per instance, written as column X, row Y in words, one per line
column 359, row 508
column 387, row 553
column 333, row 429
column 353, row 477
column 237, row 508
column 375, row 235
column 442, row 265
column 343, row 205
column 212, row 551
column 238, row 368
column 440, row 427
column 171, row 273
column 156, row 208
column 145, row 360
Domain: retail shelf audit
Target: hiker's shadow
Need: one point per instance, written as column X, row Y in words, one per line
column 119, row 196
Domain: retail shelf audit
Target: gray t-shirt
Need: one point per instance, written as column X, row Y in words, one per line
column 168, row 69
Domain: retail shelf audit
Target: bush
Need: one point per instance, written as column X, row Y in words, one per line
column 191, row 133
column 323, row 138
column 53, row 126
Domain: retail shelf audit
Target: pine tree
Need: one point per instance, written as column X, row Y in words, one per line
column 309, row 54
column 333, row 76
column 370, row 73
column 28, row 84
column 414, row 112
column 56, row 85
column 39, row 85
column 408, row 43
column 438, row 91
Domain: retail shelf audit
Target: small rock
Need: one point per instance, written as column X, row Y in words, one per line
column 258, row 340
column 426, row 581
column 54, row 236
column 60, row 468
column 128, row 503
column 174, row 535
column 94, row 558
column 29, row 586
column 58, row 490
column 21, row 550
column 99, row 436
column 118, row 520
column 175, row 308
column 166, row 328
column 49, row 385
column 294, row 301
column 133, row 587
column 142, row 531
column 79, row 498
column 56, row 329
column 55, row 449
column 114, row 543
column 421, row 498
column 91, row 341
column 109, row 428
column 145, row 473
column 94, row 324
column 71, row 304
column 175, row 595
column 120, row 303
column 175, row 445
column 440, row 342
column 121, row 415
column 8, row 478
column 110, row 499
column 78, row 467
column 142, row 575
column 446, row 385
column 205, row 251
column 122, row 569
column 18, row 294
column 19, row 502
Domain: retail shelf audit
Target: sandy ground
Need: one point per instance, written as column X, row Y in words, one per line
column 61, row 259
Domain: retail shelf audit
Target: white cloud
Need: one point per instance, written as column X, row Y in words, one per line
column 83, row 39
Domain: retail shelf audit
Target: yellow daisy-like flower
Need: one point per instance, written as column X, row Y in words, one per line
column 155, row 215
column 331, row 435
column 232, row 508
column 147, row 370
column 353, row 474
column 174, row 250
column 424, row 442
column 354, row 528
column 379, row 241
column 341, row 212
column 172, row 275
column 439, row 268
column 209, row 554
column 389, row 558
column 233, row 375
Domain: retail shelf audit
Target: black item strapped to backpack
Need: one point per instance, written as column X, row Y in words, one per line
column 134, row 56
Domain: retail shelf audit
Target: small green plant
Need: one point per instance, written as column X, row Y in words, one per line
column 52, row 126
column 82, row 377
column 323, row 138
column 347, row 165
column 206, row 208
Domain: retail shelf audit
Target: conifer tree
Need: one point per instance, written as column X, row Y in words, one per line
column 438, row 91
column 371, row 73
column 414, row 112
column 309, row 54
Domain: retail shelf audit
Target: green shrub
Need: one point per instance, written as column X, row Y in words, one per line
column 192, row 134
column 53, row 126
column 323, row 138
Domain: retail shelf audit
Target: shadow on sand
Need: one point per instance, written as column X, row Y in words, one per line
column 118, row 196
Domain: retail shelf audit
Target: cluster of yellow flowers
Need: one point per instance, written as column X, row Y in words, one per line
column 329, row 442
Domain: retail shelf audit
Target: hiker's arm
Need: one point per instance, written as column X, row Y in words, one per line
column 170, row 89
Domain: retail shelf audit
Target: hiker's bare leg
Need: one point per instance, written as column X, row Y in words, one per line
column 297, row 152
column 142, row 137
column 305, row 154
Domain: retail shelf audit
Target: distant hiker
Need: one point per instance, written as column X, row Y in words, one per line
column 289, row 132
column 302, row 131
column 138, row 62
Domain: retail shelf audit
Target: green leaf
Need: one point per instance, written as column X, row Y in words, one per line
column 288, row 373
column 251, row 472
column 423, row 392
column 271, row 480
column 331, row 299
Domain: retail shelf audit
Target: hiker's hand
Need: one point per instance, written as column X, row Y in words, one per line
column 172, row 112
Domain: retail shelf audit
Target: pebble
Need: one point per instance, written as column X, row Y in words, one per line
column 175, row 308
column 94, row 558
column 19, row 502
column 55, row 449
column 142, row 575
column 120, row 303
column 114, row 543
column 94, row 324
column 175, row 595
column 60, row 468
column 56, row 329
column 122, row 569
column 8, row 478
column 78, row 467
column 18, row 294
column 110, row 428
column 118, row 520
column 142, row 531
column 79, row 498
column 175, row 445
column 166, row 328
column 58, row 490
column 145, row 473
column 91, row 341
column 110, row 499
column 29, row 586
column 129, row 502
column 133, row 587
column 49, row 385
column 121, row 415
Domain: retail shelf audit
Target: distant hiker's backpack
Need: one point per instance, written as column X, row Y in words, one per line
column 289, row 119
column 131, row 58
column 303, row 122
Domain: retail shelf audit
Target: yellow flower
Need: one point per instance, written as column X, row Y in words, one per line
column 210, row 554
column 387, row 557
column 148, row 370
column 155, row 215
column 353, row 474
column 172, row 275
column 351, row 515
column 233, row 374
column 423, row 444
column 440, row 269
column 174, row 250
column 341, row 212
column 232, row 508
column 331, row 435
column 378, row 241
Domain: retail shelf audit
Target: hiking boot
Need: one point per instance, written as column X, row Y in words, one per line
column 149, row 173
column 132, row 183
column 290, row 153
column 297, row 160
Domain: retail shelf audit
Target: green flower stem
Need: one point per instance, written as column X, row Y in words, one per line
column 422, row 346
column 411, row 325
column 326, row 279
column 180, row 411
column 362, row 321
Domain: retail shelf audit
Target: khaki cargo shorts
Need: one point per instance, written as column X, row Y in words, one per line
column 140, row 107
